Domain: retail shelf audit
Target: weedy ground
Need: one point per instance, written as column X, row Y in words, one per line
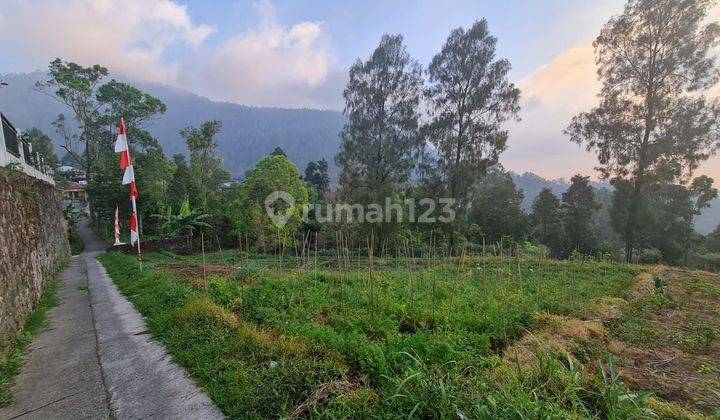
column 12, row 359
column 419, row 337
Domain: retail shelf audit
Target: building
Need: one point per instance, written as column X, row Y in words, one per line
column 17, row 153
column 74, row 191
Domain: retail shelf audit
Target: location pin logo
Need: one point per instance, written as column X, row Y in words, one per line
column 279, row 219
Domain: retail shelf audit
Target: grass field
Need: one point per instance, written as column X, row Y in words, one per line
column 478, row 338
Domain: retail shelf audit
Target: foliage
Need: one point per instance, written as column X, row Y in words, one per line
column 278, row 151
column 380, row 137
column 105, row 191
column 72, row 215
column 183, row 186
column 272, row 173
column 496, row 209
column 617, row 401
column 316, row 175
column 712, row 241
column 578, row 206
column 650, row 256
column 470, row 98
column 205, row 164
column 77, row 87
column 97, row 109
column 42, row 144
column 545, row 219
column 136, row 107
column 185, row 222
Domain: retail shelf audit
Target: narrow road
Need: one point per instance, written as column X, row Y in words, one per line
column 95, row 359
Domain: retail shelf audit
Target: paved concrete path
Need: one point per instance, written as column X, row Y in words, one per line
column 95, row 359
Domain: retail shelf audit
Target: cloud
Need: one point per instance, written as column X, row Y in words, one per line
column 270, row 65
column 128, row 36
column 157, row 41
column 551, row 95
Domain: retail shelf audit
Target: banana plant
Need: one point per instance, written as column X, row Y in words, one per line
column 185, row 222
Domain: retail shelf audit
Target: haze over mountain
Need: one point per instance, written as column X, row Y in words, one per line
column 248, row 133
column 532, row 184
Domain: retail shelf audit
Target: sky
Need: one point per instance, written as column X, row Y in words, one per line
column 287, row 53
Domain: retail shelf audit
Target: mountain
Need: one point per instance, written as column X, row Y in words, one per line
column 248, row 133
column 532, row 184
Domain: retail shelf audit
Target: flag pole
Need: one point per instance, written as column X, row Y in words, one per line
column 139, row 253
column 122, row 147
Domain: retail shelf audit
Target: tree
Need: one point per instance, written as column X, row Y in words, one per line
column 76, row 86
column 278, row 152
column 42, row 144
column 205, row 164
column 380, row 137
column 652, row 60
column 545, row 220
column 712, row 241
column 272, row 173
column 136, row 107
column 671, row 214
column 666, row 216
column 154, row 173
column 470, row 98
column 497, row 209
column 578, row 206
column 316, row 175
column 183, row 186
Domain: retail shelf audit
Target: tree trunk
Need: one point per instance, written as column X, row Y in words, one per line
column 631, row 228
column 453, row 187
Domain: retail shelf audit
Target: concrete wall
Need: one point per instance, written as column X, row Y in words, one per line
column 33, row 246
column 32, row 164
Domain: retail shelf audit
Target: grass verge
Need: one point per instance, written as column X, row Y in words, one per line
column 14, row 357
column 76, row 244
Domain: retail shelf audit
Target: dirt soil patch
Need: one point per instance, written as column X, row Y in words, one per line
column 554, row 333
column 197, row 269
column 665, row 338
column 676, row 350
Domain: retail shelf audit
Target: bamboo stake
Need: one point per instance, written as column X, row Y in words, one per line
column 410, row 278
column 517, row 254
column 431, row 257
column 370, row 247
column 202, row 248
column 485, row 280
column 316, row 256
column 219, row 246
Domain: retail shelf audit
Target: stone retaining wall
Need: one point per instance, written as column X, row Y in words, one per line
column 33, row 246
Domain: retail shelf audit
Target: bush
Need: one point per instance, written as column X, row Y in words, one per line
column 709, row 262
column 204, row 313
column 650, row 256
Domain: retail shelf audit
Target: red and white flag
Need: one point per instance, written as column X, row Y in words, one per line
column 117, row 228
column 121, row 146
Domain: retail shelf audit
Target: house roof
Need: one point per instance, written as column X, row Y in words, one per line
column 74, row 186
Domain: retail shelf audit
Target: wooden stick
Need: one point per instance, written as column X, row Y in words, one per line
column 485, row 280
column 202, row 248
column 219, row 246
